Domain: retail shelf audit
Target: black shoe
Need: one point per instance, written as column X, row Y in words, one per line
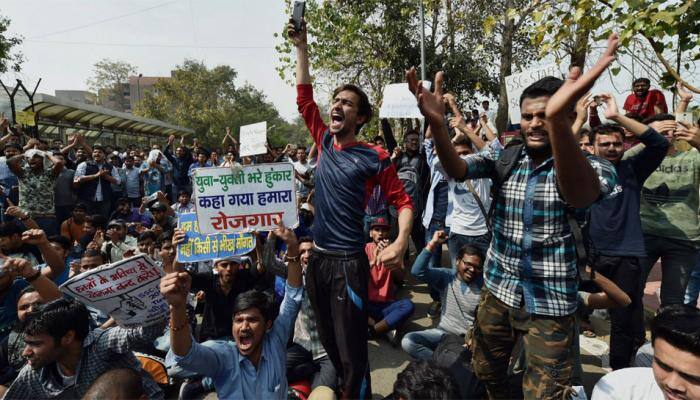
column 434, row 309
column 191, row 389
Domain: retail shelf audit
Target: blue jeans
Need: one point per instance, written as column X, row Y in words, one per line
column 435, row 225
column 421, row 344
column 456, row 241
column 395, row 313
column 693, row 289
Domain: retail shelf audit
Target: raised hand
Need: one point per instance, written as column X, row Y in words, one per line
column 34, row 236
column 685, row 95
column 577, row 84
column 174, row 287
column 298, row 38
column 439, row 237
column 287, row 235
column 611, row 110
column 689, row 133
column 431, row 105
column 19, row 266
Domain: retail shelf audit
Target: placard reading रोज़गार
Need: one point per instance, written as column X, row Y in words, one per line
column 245, row 199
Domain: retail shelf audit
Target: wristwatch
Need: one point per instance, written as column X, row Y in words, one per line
column 291, row 259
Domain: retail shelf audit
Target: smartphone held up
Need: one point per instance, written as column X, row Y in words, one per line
column 298, row 14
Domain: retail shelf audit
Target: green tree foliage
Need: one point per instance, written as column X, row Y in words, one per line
column 207, row 100
column 10, row 58
column 371, row 43
column 108, row 80
column 661, row 37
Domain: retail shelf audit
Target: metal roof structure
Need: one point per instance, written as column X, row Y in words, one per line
column 53, row 113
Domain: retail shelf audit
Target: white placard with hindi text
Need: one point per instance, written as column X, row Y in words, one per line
column 127, row 290
column 253, row 139
column 399, row 102
column 516, row 83
column 244, row 199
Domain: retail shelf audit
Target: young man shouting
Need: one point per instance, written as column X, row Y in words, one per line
column 346, row 173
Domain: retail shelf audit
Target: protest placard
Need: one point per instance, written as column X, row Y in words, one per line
column 198, row 247
column 516, row 83
column 253, row 139
column 25, row 118
column 245, row 199
column 399, row 102
column 126, row 290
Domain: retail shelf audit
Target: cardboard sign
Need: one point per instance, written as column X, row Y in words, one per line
column 516, row 83
column 127, row 290
column 253, row 139
column 245, row 199
column 198, row 247
column 399, row 102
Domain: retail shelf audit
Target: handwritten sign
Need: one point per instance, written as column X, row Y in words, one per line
column 126, row 290
column 198, row 247
column 399, row 102
column 516, row 83
column 253, row 139
column 245, row 199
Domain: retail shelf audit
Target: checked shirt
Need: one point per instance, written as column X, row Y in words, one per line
column 532, row 257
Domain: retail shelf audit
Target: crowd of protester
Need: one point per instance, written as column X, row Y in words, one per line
column 567, row 217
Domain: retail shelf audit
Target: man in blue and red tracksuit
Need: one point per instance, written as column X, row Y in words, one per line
column 338, row 271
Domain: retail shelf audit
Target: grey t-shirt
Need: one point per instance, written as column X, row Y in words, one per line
column 64, row 194
column 459, row 302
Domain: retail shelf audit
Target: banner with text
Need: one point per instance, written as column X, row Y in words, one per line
column 245, row 199
column 127, row 290
column 253, row 139
column 399, row 102
column 516, row 83
column 198, row 247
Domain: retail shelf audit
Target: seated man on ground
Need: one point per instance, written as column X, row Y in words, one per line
column 386, row 313
column 252, row 367
column 459, row 293
column 64, row 357
column 117, row 384
column 675, row 372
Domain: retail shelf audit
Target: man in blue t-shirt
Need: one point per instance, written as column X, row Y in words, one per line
column 617, row 243
column 345, row 177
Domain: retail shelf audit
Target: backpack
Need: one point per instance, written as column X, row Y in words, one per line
column 509, row 157
column 409, row 176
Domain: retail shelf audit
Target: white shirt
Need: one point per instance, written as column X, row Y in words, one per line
column 301, row 169
column 628, row 384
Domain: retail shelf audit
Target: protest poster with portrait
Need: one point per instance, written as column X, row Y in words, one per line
column 126, row 290
column 245, row 199
column 253, row 139
column 516, row 83
column 199, row 247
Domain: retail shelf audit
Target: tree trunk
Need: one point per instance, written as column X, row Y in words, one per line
column 506, row 67
column 450, row 27
column 580, row 48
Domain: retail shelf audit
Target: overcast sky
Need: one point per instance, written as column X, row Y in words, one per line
column 64, row 38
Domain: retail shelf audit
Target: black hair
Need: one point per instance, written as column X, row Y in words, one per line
column 471, row 250
column 424, row 380
column 166, row 236
column 462, row 140
column 28, row 289
column 62, row 241
column 122, row 200
column 9, row 229
column 659, row 117
column 184, row 191
column 129, row 158
column 364, row 108
column 305, row 239
column 118, row 383
column 147, row 235
column 80, row 206
column 94, row 253
column 377, row 138
column 58, row 317
column 410, row 132
column 97, row 220
column 606, row 129
column 15, row 145
column 679, row 325
column 641, row 80
column 546, row 86
column 255, row 299
column 98, row 147
column 635, row 117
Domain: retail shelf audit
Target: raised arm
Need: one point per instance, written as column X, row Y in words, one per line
column 299, row 41
column 578, row 182
column 461, row 128
column 43, row 285
column 54, row 260
column 13, row 163
column 389, row 137
column 432, row 106
column 685, row 98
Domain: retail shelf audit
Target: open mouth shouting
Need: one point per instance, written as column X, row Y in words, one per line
column 337, row 119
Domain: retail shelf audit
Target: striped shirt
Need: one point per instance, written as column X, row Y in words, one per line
column 532, row 257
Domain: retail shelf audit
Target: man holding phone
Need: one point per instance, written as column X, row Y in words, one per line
column 338, row 270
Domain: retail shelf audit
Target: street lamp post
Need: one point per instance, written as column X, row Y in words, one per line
column 138, row 86
column 422, row 40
